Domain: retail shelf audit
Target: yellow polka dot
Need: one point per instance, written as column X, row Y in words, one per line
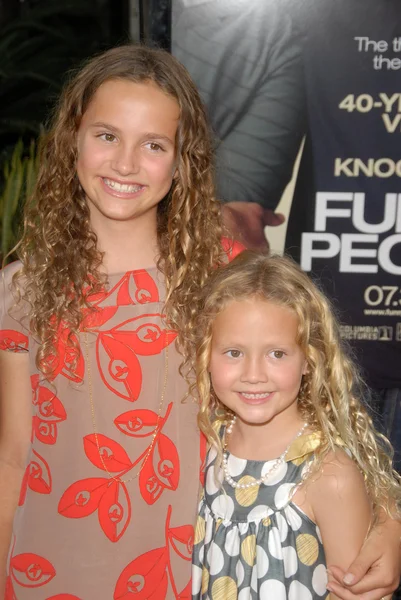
column 205, row 580
column 248, row 549
column 224, row 588
column 246, row 496
column 307, row 549
column 218, row 523
column 266, row 521
column 200, row 530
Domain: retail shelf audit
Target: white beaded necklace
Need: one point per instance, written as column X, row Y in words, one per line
column 277, row 463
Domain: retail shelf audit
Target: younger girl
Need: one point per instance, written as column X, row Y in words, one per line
column 296, row 474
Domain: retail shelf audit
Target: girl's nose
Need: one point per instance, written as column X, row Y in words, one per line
column 126, row 161
column 255, row 370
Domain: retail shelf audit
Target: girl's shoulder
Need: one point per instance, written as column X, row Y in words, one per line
column 338, row 479
column 14, row 329
column 8, row 272
column 8, row 288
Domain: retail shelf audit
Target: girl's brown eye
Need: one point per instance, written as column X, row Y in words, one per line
column 278, row 354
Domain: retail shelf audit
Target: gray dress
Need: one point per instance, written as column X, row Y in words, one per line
column 255, row 542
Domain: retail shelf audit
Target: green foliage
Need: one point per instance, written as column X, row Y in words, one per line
column 19, row 179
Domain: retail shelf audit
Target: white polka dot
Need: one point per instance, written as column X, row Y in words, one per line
column 196, row 579
column 211, row 486
column 254, row 579
column 223, row 506
column 274, row 543
column 258, row 513
column 211, row 455
column 215, row 559
column 236, row 465
column 290, row 561
column 240, row 573
column 298, row 591
column 201, row 554
column 282, row 527
column 209, row 530
column 283, row 494
column 319, row 535
column 277, row 475
column 319, row 580
column 272, row 589
column 262, row 562
column 245, row 594
column 232, row 543
column 293, row 518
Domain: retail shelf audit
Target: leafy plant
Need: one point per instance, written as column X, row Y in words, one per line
column 19, row 180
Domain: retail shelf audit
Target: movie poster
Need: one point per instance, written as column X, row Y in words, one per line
column 273, row 71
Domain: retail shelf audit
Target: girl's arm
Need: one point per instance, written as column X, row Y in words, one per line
column 15, row 435
column 337, row 501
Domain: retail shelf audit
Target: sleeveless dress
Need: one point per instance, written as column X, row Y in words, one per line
column 84, row 530
column 255, row 543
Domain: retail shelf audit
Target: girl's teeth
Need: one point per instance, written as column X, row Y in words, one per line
column 122, row 187
column 256, row 396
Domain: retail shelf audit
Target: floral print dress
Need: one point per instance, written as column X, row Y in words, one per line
column 94, row 521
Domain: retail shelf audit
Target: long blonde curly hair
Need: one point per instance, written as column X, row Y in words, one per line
column 331, row 391
column 59, row 254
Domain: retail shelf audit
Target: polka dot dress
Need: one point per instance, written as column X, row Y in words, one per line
column 254, row 543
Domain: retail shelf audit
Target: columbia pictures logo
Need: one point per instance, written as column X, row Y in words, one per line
column 385, row 333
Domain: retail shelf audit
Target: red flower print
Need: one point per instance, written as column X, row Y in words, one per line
column 68, row 359
column 48, row 412
column 145, row 577
column 9, row 591
column 13, row 340
column 118, row 349
column 82, row 498
column 123, row 375
column 186, row 593
column 37, row 477
column 30, row 570
column 114, row 456
column 137, row 423
column 232, row 248
column 135, row 287
column 115, row 510
column 161, row 471
column 182, row 540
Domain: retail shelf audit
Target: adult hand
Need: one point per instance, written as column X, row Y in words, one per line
column 375, row 573
column 247, row 220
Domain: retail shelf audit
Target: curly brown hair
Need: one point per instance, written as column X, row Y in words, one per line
column 61, row 262
column 332, row 389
